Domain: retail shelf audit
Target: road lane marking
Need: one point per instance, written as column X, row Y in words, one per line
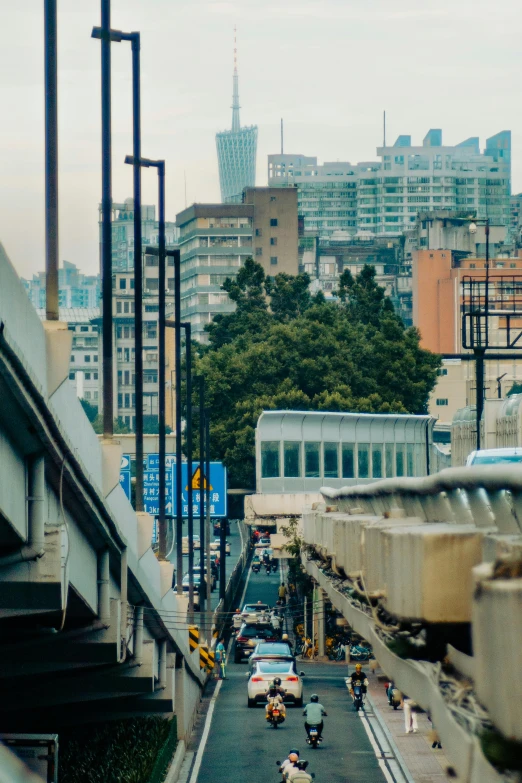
column 391, row 771
column 206, row 731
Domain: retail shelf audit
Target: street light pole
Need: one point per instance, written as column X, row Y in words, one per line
column 202, row 536
column 207, row 514
column 51, row 161
column 190, row 531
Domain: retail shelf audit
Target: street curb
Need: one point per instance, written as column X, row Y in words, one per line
column 177, row 761
column 396, row 752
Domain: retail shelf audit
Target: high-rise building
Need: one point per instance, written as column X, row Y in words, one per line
column 216, row 239
column 236, row 151
column 123, row 233
column 384, row 196
column 76, row 290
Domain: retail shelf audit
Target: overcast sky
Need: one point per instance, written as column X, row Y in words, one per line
column 329, row 67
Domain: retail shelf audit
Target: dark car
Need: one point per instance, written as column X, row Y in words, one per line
column 217, row 526
column 249, row 636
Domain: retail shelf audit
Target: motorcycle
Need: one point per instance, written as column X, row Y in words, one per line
column 302, row 776
column 358, row 695
column 394, row 695
column 274, row 566
column 313, row 737
column 276, row 717
column 256, row 567
column 360, row 653
column 268, row 568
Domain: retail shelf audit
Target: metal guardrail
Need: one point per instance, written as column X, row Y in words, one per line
column 234, row 580
column 484, row 495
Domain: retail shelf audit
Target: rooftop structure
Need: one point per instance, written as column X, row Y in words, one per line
column 236, row 150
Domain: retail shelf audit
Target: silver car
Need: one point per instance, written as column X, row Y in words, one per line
column 263, row 672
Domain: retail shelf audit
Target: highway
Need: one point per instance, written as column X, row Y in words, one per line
column 241, row 748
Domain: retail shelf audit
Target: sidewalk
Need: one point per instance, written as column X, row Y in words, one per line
column 424, row 764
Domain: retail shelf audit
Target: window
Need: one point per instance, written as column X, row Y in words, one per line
column 120, row 400
column 84, row 328
column 273, row 241
column 123, row 283
column 292, row 457
column 363, row 460
column 87, row 376
column 270, row 459
column 118, row 307
column 95, row 376
column 273, row 260
column 87, row 358
column 72, row 376
column 259, row 232
column 259, row 251
column 273, row 222
column 442, row 401
column 126, row 307
column 331, row 460
column 95, row 358
column 272, row 198
column 443, row 371
column 410, row 460
column 377, row 460
column 73, row 359
column 399, row 459
column 388, row 451
column 348, row 460
column 312, row 467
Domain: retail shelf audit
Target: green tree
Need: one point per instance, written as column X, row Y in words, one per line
column 352, row 354
column 515, row 389
column 90, row 410
column 120, row 428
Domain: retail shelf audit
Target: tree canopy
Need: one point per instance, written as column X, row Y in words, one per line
column 284, row 348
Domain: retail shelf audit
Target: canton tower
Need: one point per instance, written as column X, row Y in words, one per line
column 236, row 150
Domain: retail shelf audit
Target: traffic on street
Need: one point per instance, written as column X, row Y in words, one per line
column 242, row 746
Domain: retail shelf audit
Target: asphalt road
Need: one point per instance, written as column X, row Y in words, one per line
column 241, row 748
column 231, row 560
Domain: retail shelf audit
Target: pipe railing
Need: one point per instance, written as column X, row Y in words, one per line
column 484, row 495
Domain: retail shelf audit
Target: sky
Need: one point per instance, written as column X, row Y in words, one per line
column 327, row 67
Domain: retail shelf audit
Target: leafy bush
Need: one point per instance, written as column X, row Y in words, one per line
column 129, row 751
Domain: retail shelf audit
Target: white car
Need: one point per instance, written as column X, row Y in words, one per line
column 185, row 544
column 262, row 674
column 263, row 543
column 495, row 456
column 214, row 546
column 185, row 585
column 256, row 612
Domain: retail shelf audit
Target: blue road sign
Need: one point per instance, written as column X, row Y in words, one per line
column 218, row 485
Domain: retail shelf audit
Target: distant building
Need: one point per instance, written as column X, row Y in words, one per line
column 85, row 364
column 123, row 233
column 516, row 219
column 384, row 196
column 236, row 151
column 216, row 239
column 76, row 290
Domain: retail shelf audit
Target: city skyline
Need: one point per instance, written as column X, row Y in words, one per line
column 328, row 111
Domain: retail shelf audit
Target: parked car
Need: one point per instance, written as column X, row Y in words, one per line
column 216, row 544
column 263, row 672
column 249, row 636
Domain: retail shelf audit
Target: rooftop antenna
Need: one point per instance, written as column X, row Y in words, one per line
column 282, row 146
column 384, row 128
column 235, row 95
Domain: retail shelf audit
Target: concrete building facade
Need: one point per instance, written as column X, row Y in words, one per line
column 384, row 196
column 75, row 290
column 123, row 233
column 216, row 239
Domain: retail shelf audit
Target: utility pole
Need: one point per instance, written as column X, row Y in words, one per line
column 51, row 161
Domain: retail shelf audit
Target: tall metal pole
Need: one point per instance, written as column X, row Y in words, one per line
column 179, row 453
column 481, row 351
column 138, row 274
column 106, row 270
column 207, row 513
column 222, row 559
column 51, row 161
column 202, row 536
column 162, row 523
column 190, row 531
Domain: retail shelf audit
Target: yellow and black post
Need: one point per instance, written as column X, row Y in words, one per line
column 193, row 637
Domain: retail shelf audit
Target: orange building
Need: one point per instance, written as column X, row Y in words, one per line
column 438, row 296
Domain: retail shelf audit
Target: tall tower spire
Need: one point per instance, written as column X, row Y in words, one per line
column 235, row 94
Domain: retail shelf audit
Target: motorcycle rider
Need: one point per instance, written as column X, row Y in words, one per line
column 237, row 620
column 314, row 712
column 275, row 621
column 289, row 763
column 275, row 699
column 359, row 677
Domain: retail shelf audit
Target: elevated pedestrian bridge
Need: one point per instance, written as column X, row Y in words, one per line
column 89, row 624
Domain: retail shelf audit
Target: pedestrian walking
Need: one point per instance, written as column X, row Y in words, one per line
column 282, row 592
column 410, row 715
column 220, row 660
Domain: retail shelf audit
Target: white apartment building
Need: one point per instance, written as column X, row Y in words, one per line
column 384, row 196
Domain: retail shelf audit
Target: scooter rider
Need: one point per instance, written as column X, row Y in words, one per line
column 237, row 620
column 274, row 699
column 314, row 712
column 359, row 677
column 289, row 763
